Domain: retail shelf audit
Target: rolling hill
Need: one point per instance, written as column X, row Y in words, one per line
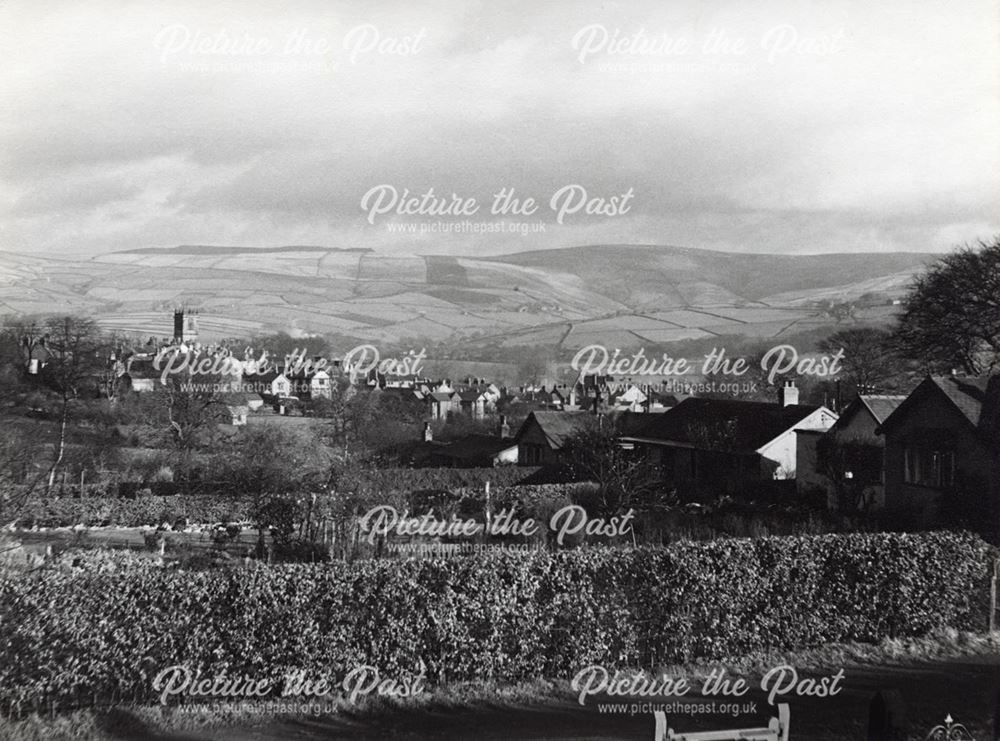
column 611, row 294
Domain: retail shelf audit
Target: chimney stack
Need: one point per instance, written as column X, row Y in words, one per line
column 504, row 427
column 789, row 394
column 428, row 432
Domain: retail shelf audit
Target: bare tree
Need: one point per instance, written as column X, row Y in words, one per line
column 273, row 468
column 624, row 478
column 952, row 316
column 190, row 411
column 869, row 359
column 76, row 356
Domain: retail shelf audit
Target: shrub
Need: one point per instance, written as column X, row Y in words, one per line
column 66, row 635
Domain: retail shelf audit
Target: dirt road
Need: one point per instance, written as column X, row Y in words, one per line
column 966, row 689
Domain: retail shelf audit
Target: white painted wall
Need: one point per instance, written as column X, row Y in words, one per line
column 783, row 449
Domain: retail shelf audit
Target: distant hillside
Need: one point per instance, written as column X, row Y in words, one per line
column 635, row 275
column 617, row 295
column 208, row 249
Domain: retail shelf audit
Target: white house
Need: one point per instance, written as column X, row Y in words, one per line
column 723, row 444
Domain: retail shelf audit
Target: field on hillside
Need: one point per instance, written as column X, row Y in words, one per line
column 610, row 295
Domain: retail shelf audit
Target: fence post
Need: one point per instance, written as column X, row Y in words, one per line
column 993, row 595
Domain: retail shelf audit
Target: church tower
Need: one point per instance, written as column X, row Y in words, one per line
column 185, row 326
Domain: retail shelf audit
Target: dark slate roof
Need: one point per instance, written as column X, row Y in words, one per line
column 39, row 353
column 477, row 446
column 748, row 425
column 142, row 368
column 668, row 399
column 976, row 398
column 266, row 377
column 968, row 393
column 559, row 426
column 881, row 406
column 406, row 392
column 629, row 423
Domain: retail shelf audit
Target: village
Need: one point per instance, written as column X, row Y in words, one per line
column 499, row 371
column 878, row 452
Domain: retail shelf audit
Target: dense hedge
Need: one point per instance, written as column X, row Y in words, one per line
column 66, row 635
column 411, row 479
column 138, row 512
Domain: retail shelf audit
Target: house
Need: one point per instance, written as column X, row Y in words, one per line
column 942, row 449
column 37, row 355
column 311, row 383
column 560, row 397
column 544, row 433
column 272, row 383
column 442, row 404
column 854, row 434
column 718, row 446
column 254, row 402
column 320, row 385
column 140, row 374
column 473, row 403
column 237, row 414
column 628, row 397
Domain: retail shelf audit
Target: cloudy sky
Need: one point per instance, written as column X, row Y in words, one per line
column 774, row 126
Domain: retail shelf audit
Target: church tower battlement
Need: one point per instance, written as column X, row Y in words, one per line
column 185, row 325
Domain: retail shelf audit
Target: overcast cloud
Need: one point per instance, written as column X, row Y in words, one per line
column 836, row 126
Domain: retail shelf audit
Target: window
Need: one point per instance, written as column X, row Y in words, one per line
column 929, row 467
column 532, row 454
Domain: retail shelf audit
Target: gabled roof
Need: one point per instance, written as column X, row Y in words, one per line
column 968, row 393
column 557, row 426
column 141, row 368
column 977, row 399
column 746, row 426
column 881, row 405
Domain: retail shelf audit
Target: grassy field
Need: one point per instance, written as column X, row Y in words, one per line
column 612, row 295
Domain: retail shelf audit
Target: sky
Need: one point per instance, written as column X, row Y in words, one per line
column 774, row 126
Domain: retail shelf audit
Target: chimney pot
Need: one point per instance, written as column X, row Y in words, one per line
column 789, row 394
